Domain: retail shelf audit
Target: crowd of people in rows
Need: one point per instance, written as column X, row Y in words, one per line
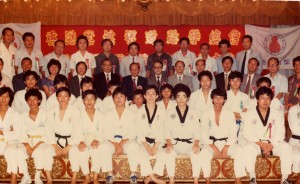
column 172, row 105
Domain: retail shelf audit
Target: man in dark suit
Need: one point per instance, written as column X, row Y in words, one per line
column 249, row 83
column 102, row 79
column 222, row 79
column 74, row 82
column 132, row 82
column 158, row 79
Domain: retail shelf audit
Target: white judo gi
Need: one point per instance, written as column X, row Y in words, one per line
column 172, row 104
column 116, row 129
column 224, row 134
column 150, row 133
column 198, row 103
column 294, row 122
column 275, row 104
column 236, row 103
column 274, row 132
column 87, row 131
column 182, row 136
column 52, row 101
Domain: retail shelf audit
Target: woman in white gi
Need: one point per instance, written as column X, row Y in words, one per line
column 166, row 94
column 89, row 135
column 294, row 122
column 150, row 124
column 120, row 136
column 30, row 79
column 9, row 133
column 219, row 137
column 182, row 134
column 265, row 132
column 237, row 102
column 200, row 99
column 61, row 130
column 33, row 135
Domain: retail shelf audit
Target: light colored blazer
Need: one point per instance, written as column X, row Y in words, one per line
column 187, row 80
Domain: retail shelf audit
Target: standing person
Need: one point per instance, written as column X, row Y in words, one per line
column 34, row 54
column 243, row 56
column 82, row 54
column 107, row 45
column 57, row 54
column 33, row 136
column 159, row 55
column 293, row 84
column 219, row 137
column 210, row 62
column 133, row 57
column 119, row 136
column 53, row 67
column 74, row 82
column 166, row 92
column 224, row 46
column 150, row 122
column 185, row 55
column 157, row 79
column 265, row 132
column 61, row 130
column 8, row 51
column 5, row 81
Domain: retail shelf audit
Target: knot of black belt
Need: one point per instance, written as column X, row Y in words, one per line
column 184, row 140
column 62, row 137
column 150, row 140
column 215, row 139
column 296, row 137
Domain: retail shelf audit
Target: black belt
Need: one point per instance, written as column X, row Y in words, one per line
column 215, row 139
column 150, row 140
column 296, row 137
column 181, row 140
column 62, row 137
column 262, row 152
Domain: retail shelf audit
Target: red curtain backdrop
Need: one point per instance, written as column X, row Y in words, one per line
column 144, row 35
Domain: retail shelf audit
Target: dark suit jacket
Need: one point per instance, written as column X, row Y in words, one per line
column 253, row 82
column 18, row 82
column 100, row 84
column 152, row 80
column 220, row 81
column 74, row 86
column 127, row 83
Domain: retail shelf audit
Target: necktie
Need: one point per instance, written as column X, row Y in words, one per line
column 226, row 81
column 244, row 63
column 158, row 82
column 132, row 59
column 134, row 84
column 248, row 85
column 107, row 78
column 179, row 78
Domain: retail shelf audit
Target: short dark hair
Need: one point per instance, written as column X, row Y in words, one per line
column 274, row 58
column 205, row 73
column 79, row 63
column 255, row 59
column 218, row 92
column 26, row 58
column 53, row 62
column 166, row 86
column 235, row 74
column 61, row 41
column 296, row 59
column 198, row 60
column 247, row 36
column 263, row 79
column 106, row 59
column 148, row 87
column 4, row 90
column 224, row 41
column 204, row 44
column 119, row 90
column 27, row 34
column 158, row 61
column 89, row 92
column 35, row 93
column 59, row 90
column 82, row 37
column 184, row 39
column 227, row 57
column 30, row 73
column 113, row 83
column 158, row 41
column 134, row 64
column 181, row 88
column 7, row 29
column 264, row 90
column 134, row 43
column 59, row 78
column 179, row 61
column 138, row 92
column 86, row 80
column 107, row 40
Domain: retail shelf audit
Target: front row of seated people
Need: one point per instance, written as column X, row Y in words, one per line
column 159, row 131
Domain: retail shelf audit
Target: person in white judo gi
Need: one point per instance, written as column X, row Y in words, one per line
column 33, row 136
column 166, row 101
column 9, row 134
column 219, row 137
column 137, row 100
column 182, row 134
column 119, row 136
column 89, row 136
column 265, row 132
column 61, row 130
column 150, row 121
column 237, row 102
column 294, row 122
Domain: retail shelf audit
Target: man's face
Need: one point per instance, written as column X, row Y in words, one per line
column 264, row 101
column 205, row 82
column 134, row 70
column 157, row 68
column 119, row 100
column 204, row 50
column 158, row 47
column 200, row 66
column 29, row 42
column 184, row 45
column 252, row 65
column 179, row 68
column 247, row 43
column 227, row 64
column 81, row 69
column 181, row 98
column 106, row 46
column 26, row 65
column 224, row 48
column 297, row 67
column 218, row 101
column 8, row 37
column 30, row 82
column 133, row 50
column 273, row 66
column 59, row 48
column 82, row 44
column 106, row 66
column 235, row 83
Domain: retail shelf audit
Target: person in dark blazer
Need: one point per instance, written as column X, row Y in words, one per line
column 158, row 79
column 179, row 77
column 101, row 79
column 249, row 87
column 74, row 82
column 222, row 79
column 132, row 82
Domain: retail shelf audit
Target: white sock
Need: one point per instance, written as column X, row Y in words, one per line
column 37, row 173
column 252, row 175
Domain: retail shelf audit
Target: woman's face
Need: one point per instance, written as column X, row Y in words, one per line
column 166, row 93
column 4, row 99
column 53, row 69
column 181, row 98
